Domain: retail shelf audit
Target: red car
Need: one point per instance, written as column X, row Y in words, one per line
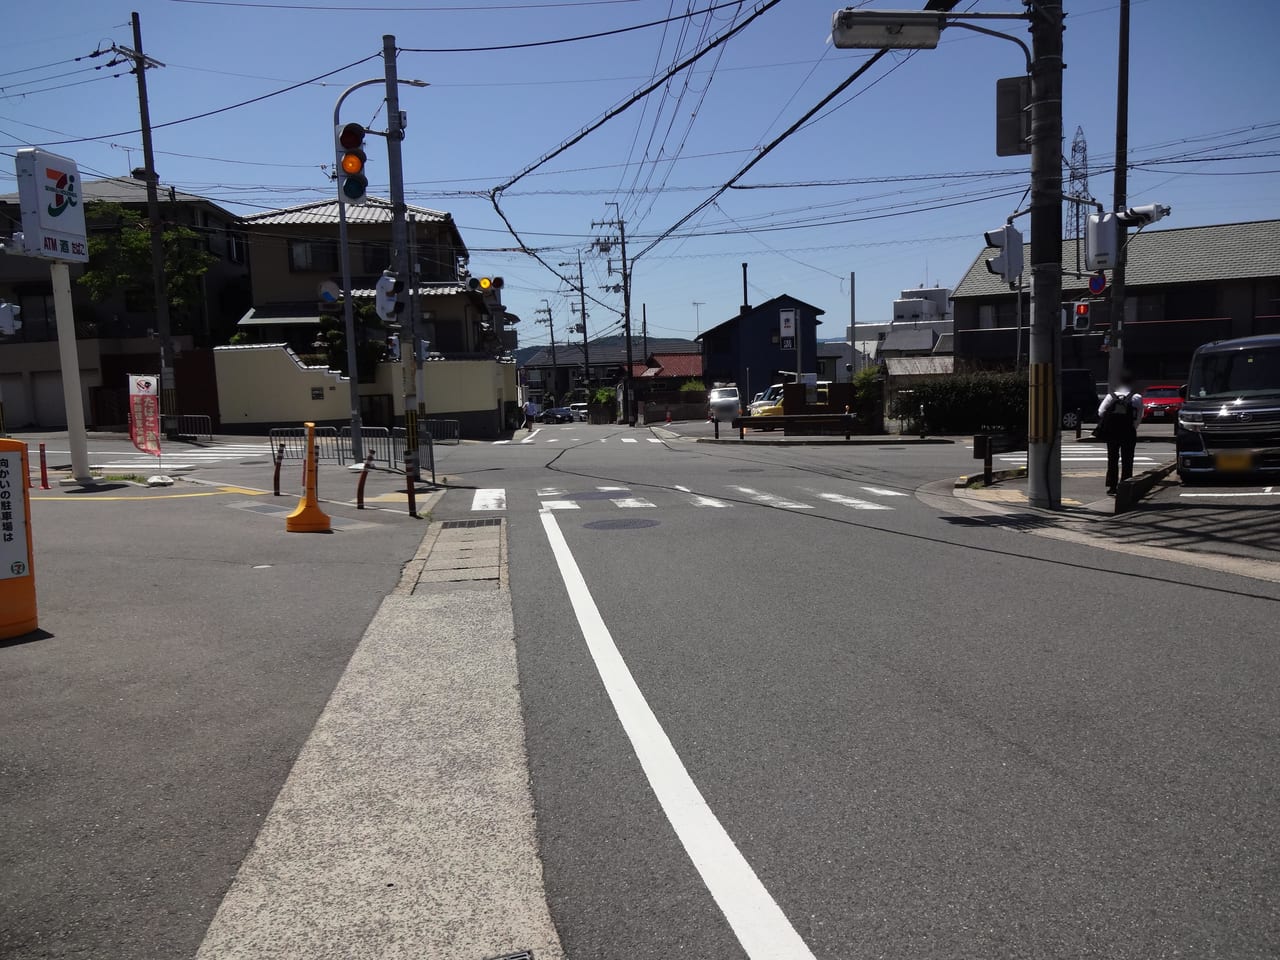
column 1161, row 403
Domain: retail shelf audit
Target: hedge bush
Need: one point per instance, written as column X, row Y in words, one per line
column 968, row 403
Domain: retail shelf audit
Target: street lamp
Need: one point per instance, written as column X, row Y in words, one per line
column 919, row 29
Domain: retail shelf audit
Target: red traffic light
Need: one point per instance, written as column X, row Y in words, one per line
column 351, row 136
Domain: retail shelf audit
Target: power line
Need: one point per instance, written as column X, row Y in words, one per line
column 586, row 36
column 210, row 113
column 362, row 8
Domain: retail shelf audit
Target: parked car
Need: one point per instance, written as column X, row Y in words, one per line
column 1229, row 425
column 723, row 403
column 556, row 415
column 1080, row 398
column 579, row 411
column 1161, row 403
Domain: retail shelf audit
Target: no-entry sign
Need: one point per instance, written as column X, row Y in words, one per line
column 1097, row 283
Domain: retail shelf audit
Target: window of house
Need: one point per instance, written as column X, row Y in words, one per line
column 235, row 247
column 376, row 257
column 313, row 256
column 986, row 316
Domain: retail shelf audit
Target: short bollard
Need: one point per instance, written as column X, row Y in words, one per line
column 364, row 475
column 44, row 470
column 408, row 479
column 17, row 573
column 279, row 459
column 922, row 421
column 716, row 423
column 1079, row 422
column 308, row 517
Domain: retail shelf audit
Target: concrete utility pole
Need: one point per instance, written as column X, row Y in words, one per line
column 400, row 252
column 644, row 329
column 697, row 316
column 853, row 329
column 1115, row 359
column 168, row 381
column 1044, row 423
column 627, row 389
column 545, row 312
column 582, row 316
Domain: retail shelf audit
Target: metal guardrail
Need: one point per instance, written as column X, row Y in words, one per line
column 293, row 441
column 442, row 431
column 426, row 451
column 196, row 425
column 375, row 440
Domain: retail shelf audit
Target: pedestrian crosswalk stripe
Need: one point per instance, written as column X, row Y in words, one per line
column 608, row 489
column 698, row 500
column 881, row 492
column 494, row 498
column 632, row 502
column 559, row 505
column 770, row 500
column 853, row 502
column 630, row 440
column 654, row 440
column 550, row 492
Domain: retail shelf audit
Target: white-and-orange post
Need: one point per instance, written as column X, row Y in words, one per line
column 17, row 562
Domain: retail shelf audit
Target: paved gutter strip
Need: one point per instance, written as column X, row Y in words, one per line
column 406, row 826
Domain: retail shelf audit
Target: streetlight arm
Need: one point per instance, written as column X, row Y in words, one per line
column 1026, row 51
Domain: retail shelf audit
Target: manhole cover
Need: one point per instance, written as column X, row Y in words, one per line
column 747, row 470
column 634, row 524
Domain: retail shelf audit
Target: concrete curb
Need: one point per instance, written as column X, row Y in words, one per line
column 862, row 442
column 1013, row 473
column 1130, row 492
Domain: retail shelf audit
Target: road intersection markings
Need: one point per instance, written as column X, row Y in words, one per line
column 881, row 492
column 853, row 502
column 490, row 499
column 700, row 501
column 560, row 498
column 757, row 921
column 771, row 500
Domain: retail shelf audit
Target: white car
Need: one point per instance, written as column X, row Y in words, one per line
column 723, row 403
column 579, row 411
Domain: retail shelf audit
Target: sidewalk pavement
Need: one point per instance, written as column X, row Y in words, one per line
column 211, row 699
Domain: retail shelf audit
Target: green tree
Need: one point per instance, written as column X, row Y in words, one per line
column 120, row 260
column 369, row 352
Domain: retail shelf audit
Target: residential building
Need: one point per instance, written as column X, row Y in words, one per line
column 558, row 375
column 1184, row 287
column 116, row 335
column 748, row 350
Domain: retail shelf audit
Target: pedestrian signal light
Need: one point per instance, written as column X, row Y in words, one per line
column 1081, row 316
column 354, row 182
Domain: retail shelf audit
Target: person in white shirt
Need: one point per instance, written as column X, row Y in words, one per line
column 1118, row 417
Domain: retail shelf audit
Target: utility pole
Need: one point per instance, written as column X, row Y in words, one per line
column 544, row 316
column 644, row 328
column 853, row 329
column 1044, row 456
column 168, row 382
column 697, row 316
column 400, row 252
column 582, row 316
column 1115, row 359
column 627, row 403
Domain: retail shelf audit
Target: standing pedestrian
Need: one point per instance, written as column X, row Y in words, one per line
column 528, row 414
column 1118, row 417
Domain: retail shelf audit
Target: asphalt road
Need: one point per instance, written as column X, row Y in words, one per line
column 928, row 736
column 778, row 702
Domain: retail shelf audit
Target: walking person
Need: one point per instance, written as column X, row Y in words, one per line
column 1118, row 417
column 528, row 414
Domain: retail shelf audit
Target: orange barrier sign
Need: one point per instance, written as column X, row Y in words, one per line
column 17, row 573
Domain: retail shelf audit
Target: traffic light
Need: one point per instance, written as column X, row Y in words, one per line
column 1008, row 262
column 484, row 284
column 1081, row 315
column 9, row 322
column 387, row 296
column 353, row 182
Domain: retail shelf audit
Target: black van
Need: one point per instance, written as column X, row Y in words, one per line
column 1229, row 426
column 1079, row 398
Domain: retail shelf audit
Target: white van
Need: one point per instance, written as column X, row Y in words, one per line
column 579, row 411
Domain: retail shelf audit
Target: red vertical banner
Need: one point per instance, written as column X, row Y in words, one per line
column 144, row 413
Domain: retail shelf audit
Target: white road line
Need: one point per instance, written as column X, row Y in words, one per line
column 1249, row 493
column 529, row 438
column 550, row 492
column 630, row 440
column 560, row 505
column 880, row 491
column 554, row 440
column 654, row 440
column 770, row 500
column 755, row 917
column 853, row 502
column 700, row 501
column 612, row 489
column 632, row 502
column 498, row 443
column 494, row 498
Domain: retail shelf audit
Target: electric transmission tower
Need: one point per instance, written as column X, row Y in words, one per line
column 1078, row 185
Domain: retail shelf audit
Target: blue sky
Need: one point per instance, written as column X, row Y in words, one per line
column 1203, row 85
